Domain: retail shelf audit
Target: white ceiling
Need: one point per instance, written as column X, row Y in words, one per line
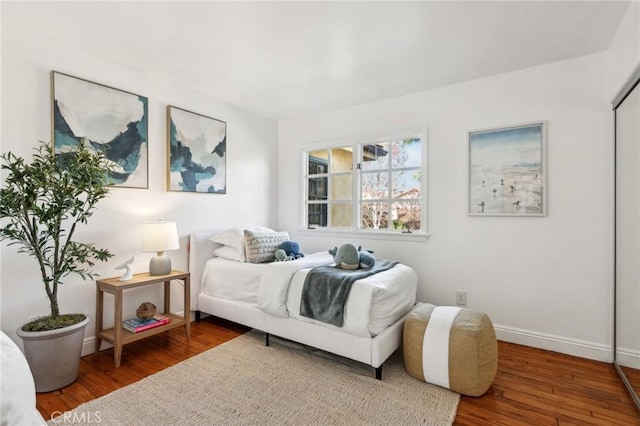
column 287, row 59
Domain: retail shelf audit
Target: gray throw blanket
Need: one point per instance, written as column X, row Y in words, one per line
column 326, row 290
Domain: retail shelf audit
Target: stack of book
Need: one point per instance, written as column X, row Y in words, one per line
column 136, row 325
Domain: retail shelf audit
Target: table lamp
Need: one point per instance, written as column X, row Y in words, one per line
column 159, row 237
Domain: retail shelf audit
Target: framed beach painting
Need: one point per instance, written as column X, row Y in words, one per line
column 507, row 171
column 197, row 152
column 106, row 119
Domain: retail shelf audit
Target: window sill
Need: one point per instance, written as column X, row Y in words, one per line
column 369, row 235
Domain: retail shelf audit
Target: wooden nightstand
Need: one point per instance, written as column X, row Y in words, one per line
column 117, row 335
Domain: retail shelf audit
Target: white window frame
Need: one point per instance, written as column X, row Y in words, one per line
column 356, row 143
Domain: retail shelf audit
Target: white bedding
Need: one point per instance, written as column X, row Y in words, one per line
column 374, row 303
column 232, row 280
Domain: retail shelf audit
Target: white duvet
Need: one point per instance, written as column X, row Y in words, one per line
column 374, row 302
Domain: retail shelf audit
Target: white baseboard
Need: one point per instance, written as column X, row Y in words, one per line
column 628, row 358
column 89, row 346
column 580, row 348
column 549, row 342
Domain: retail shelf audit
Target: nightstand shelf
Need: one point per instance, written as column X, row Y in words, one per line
column 119, row 336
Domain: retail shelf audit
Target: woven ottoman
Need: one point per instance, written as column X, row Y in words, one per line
column 452, row 347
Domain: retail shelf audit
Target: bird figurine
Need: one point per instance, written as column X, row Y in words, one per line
column 128, row 273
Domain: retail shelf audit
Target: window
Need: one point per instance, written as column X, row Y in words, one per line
column 373, row 186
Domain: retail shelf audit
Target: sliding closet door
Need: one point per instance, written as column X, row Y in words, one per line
column 627, row 333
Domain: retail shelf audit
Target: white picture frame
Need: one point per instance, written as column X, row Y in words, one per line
column 508, row 171
column 105, row 118
column 197, row 152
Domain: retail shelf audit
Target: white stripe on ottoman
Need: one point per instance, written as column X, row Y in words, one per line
column 435, row 345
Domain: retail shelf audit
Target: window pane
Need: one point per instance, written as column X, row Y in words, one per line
column 375, row 215
column 375, row 156
column 372, row 185
column 375, row 186
column 341, row 159
column 317, row 188
column 317, row 162
column 406, row 215
column 341, row 215
column 406, row 153
column 406, row 184
column 317, row 214
column 341, row 188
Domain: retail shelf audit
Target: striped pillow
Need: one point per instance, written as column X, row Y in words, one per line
column 261, row 246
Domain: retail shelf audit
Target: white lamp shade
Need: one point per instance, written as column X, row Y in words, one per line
column 159, row 236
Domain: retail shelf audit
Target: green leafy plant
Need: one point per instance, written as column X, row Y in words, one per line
column 41, row 205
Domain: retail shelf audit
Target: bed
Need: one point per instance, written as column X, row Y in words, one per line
column 266, row 297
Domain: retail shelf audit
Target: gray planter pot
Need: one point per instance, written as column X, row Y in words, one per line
column 54, row 356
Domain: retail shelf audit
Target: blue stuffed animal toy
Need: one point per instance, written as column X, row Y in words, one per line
column 348, row 257
column 366, row 259
column 281, row 256
column 291, row 248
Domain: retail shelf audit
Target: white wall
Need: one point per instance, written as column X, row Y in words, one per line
column 27, row 60
column 624, row 53
column 544, row 281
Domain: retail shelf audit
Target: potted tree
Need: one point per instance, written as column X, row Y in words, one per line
column 41, row 205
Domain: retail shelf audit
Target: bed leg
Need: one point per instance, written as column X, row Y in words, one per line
column 266, row 339
column 379, row 373
column 197, row 316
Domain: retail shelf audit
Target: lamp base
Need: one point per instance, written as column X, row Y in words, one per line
column 160, row 265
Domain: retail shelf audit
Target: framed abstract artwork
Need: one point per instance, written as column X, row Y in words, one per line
column 507, row 171
column 197, row 152
column 106, row 119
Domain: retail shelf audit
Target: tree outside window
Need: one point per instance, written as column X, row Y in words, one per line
column 379, row 188
column 391, row 185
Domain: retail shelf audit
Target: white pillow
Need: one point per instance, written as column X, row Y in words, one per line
column 233, row 237
column 227, row 252
column 261, row 246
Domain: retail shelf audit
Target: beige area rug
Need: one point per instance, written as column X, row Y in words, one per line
column 245, row 382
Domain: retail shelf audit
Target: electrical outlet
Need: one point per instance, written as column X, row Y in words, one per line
column 461, row 298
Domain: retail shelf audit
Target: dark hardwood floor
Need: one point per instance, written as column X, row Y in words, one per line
column 532, row 387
